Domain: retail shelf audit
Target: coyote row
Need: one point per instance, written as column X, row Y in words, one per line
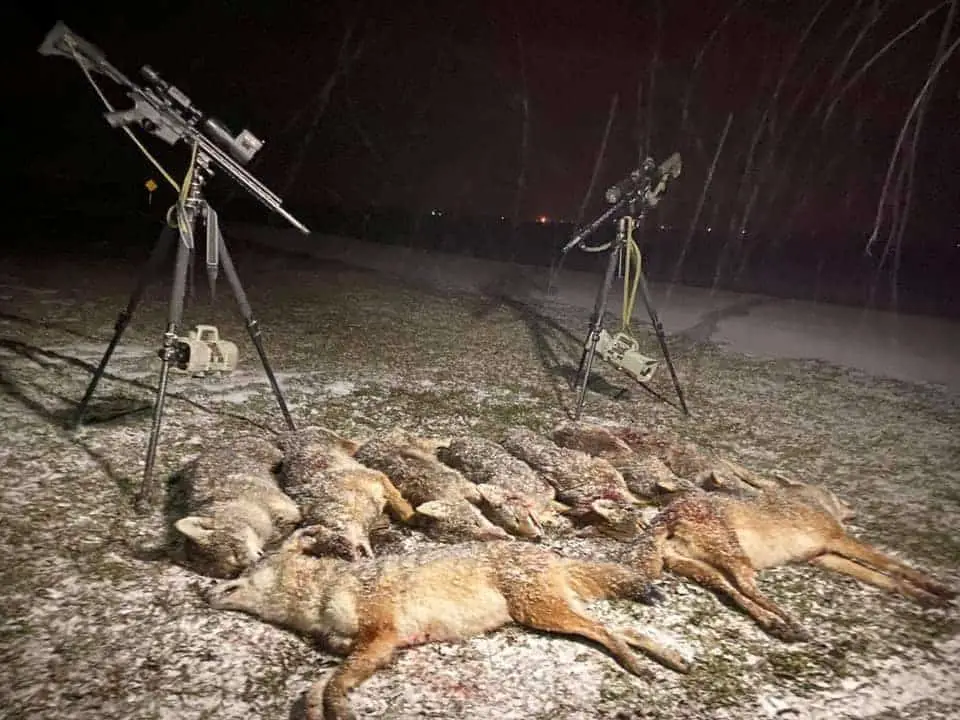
column 291, row 529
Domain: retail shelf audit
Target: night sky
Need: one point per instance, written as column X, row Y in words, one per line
column 433, row 109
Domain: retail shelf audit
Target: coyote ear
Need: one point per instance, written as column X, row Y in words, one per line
column 491, row 494
column 350, row 446
column 301, row 540
column 559, row 508
column 603, row 507
column 784, row 481
column 845, row 511
column 713, row 480
column 433, row 509
column 196, row 527
column 667, row 485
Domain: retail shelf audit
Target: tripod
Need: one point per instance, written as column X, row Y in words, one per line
column 173, row 351
column 615, row 257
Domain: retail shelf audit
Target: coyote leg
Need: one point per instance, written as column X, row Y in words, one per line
column 549, row 610
column 872, row 577
column 745, row 578
column 369, row 655
column 396, row 503
column 724, row 553
column 652, row 648
column 855, row 550
column 778, row 625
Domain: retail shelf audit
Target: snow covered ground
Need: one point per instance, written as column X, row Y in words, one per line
column 915, row 348
column 98, row 622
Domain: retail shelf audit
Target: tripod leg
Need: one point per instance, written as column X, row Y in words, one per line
column 596, row 322
column 661, row 337
column 150, row 490
column 253, row 328
column 157, row 255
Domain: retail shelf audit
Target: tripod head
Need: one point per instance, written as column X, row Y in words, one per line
column 635, row 194
column 167, row 113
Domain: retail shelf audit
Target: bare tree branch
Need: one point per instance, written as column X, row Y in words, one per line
column 703, row 197
column 601, row 153
column 346, row 57
column 914, row 108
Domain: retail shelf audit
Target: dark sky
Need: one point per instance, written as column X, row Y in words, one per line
column 431, row 112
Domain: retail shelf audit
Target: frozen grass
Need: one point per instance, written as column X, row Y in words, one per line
column 98, row 623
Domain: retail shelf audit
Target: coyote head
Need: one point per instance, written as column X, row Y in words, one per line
column 265, row 588
column 220, row 546
column 344, row 540
column 618, row 520
column 261, row 452
column 315, row 440
column 592, row 439
column 819, row 495
column 511, row 511
column 456, row 520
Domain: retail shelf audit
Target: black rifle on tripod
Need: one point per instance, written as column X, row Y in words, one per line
column 630, row 200
column 167, row 113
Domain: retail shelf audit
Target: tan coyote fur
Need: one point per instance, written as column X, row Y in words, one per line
column 369, row 609
column 721, row 540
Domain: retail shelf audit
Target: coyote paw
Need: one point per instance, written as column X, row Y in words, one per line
column 665, row 656
column 929, row 600
column 322, row 705
column 651, row 595
column 790, row 632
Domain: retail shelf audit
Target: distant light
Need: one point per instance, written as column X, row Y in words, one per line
column 743, row 232
column 436, row 213
column 502, row 217
column 542, row 219
column 709, row 229
column 663, row 227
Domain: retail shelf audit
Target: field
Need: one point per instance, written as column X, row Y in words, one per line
column 98, row 623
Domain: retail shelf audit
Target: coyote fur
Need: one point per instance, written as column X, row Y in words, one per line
column 340, row 499
column 592, row 487
column 448, row 506
column 487, row 463
column 369, row 609
column 721, row 540
column 654, row 464
column 235, row 507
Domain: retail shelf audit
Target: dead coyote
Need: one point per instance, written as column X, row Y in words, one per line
column 235, row 506
column 448, row 506
column 369, row 609
column 721, row 540
column 340, row 499
column 654, row 464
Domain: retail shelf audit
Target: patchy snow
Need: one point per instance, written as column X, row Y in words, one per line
column 340, row 388
column 98, row 622
column 897, row 683
column 905, row 347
